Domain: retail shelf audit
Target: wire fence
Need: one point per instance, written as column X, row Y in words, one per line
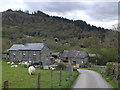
column 68, row 71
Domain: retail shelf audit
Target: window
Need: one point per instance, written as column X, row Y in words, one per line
column 14, row 53
column 14, row 57
column 34, row 57
column 34, row 53
column 23, row 55
column 82, row 61
column 74, row 62
column 65, row 61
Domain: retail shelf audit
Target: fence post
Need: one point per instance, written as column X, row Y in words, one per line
column 38, row 81
column 66, row 73
column 51, row 79
column 5, row 85
column 60, row 77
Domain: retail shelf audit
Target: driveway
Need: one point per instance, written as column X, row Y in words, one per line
column 90, row 79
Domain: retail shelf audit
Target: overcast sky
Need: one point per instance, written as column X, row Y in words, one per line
column 103, row 14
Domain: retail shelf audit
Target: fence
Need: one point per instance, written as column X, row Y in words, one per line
column 68, row 74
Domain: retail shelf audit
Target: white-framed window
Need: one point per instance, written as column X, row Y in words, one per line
column 14, row 53
column 23, row 55
column 34, row 53
column 14, row 57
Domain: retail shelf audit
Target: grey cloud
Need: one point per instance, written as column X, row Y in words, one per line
column 98, row 11
column 104, row 11
column 58, row 7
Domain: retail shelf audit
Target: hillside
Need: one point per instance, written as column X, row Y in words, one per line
column 40, row 24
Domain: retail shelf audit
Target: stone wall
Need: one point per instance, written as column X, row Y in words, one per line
column 102, row 68
column 113, row 70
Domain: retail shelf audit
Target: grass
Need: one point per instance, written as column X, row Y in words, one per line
column 87, row 50
column 19, row 77
column 5, row 38
column 112, row 82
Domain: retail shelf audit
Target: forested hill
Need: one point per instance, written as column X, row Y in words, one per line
column 16, row 24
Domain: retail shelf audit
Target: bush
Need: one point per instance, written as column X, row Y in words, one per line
column 89, row 64
column 25, row 66
column 61, row 66
column 112, row 70
column 74, row 69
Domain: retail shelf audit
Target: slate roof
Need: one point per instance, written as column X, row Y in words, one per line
column 27, row 46
column 74, row 54
column 56, row 53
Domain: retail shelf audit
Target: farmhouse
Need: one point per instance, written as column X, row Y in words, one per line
column 75, row 57
column 35, row 52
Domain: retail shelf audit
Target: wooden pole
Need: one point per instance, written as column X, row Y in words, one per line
column 66, row 73
column 51, row 79
column 38, row 81
column 60, row 77
column 5, row 85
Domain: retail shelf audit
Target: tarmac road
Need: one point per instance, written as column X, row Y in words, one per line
column 90, row 79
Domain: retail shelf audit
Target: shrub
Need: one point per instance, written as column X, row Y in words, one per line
column 61, row 66
column 112, row 70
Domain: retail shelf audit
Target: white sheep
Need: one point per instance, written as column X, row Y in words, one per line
column 31, row 70
column 14, row 66
column 12, row 63
column 52, row 68
column 8, row 63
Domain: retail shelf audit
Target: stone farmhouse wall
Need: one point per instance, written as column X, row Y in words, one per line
column 37, row 55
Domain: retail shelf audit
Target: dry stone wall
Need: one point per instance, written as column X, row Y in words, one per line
column 113, row 70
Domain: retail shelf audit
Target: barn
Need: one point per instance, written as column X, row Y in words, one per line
column 75, row 57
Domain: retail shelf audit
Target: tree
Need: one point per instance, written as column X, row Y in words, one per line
column 94, row 46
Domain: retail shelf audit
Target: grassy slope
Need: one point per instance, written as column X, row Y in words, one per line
column 87, row 50
column 19, row 77
column 108, row 79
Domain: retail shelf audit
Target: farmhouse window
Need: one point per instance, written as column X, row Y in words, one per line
column 24, row 53
column 82, row 61
column 74, row 62
column 14, row 57
column 34, row 53
column 14, row 53
column 34, row 57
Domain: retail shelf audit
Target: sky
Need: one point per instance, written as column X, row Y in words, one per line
column 95, row 12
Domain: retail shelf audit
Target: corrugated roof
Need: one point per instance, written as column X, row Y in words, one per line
column 27, row 46
column 74, row 54
column 93, row 55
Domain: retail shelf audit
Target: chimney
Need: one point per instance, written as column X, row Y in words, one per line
column 44, row 41
column 24, row 41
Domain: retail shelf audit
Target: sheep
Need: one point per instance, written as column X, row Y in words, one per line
column 12, row 63
column 8, row 63
column 14, row 66
column 36, row 66
column 52, row 68
column 31, row 70
column 19, row 63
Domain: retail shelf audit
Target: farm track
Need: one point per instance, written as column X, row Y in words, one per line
column 90, row 79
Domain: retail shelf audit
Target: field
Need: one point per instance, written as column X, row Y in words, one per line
column 19, row 77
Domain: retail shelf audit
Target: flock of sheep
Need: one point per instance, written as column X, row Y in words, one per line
column 31, row 69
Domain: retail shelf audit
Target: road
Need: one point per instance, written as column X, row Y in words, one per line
column 90, row 79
